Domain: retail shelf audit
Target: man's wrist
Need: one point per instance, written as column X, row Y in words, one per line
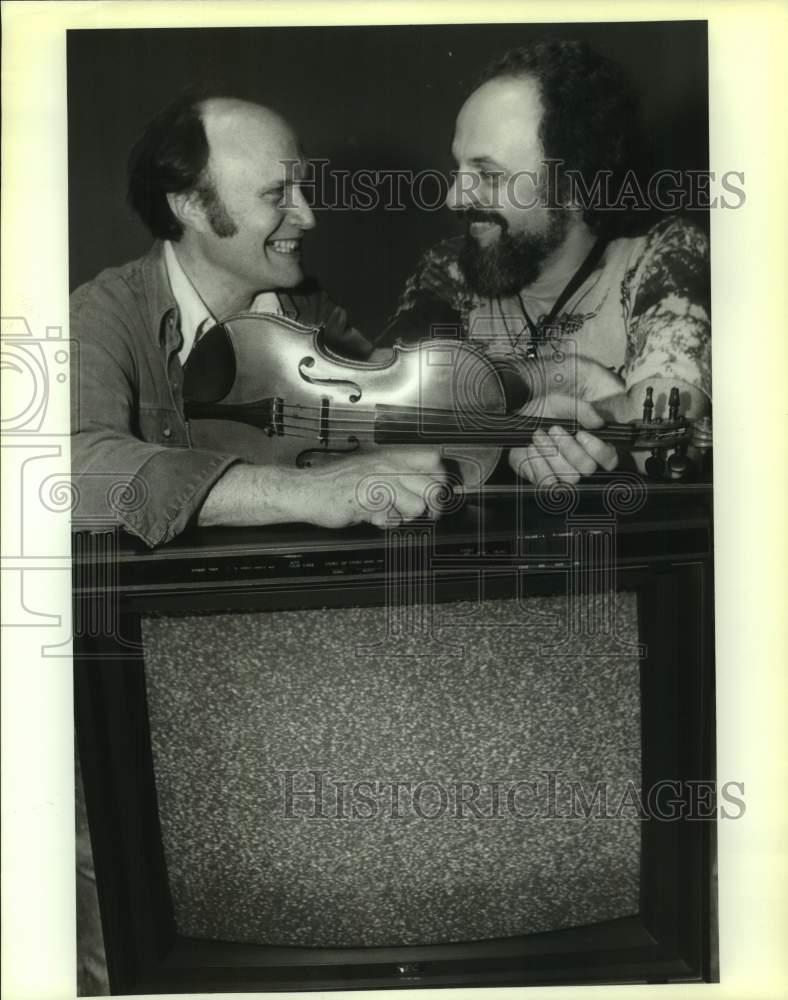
column 255, row 495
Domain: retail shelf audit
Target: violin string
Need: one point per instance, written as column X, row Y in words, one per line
column 445, row 422
column 284, row 425
column 620, row 432
column 391, row 410
column 435, row 416
column 307, row 429
column 296, row 431
column 441, row 422
column 292, row 422
column 491, row 436
column 433, row 429
column 289, row 432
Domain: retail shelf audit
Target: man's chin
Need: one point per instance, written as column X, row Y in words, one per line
column 288, row 274
column 484, row 234
column 491, row 272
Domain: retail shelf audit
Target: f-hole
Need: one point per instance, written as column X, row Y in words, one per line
column 309, row 362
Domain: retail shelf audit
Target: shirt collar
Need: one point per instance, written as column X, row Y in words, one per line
column 195, row 316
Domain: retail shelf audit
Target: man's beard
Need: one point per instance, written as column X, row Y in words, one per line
column 512, row 262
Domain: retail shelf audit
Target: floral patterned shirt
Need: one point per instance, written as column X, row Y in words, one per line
column 643, row 312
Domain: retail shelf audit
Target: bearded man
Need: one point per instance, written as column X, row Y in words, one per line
column 572, row 314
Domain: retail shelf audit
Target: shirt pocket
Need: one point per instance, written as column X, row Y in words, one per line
column 161, row 425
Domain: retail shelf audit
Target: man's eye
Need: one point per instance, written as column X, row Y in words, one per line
column 274, row 195
column 491, row 176
column 285, row 196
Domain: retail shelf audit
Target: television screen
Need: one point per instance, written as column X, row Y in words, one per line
column 315, row 790
column 303, row 780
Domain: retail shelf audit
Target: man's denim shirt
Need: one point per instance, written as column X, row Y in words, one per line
column 131, row 455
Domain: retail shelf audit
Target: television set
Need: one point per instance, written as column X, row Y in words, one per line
column 477, row 752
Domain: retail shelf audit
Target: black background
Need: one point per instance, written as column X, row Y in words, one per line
column 364, row 97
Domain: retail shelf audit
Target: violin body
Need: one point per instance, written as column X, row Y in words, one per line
column 272, row 391
column 328, row 402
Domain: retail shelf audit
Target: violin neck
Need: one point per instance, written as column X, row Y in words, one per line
column 403, row 425
column 258, row 414
column 439, row 427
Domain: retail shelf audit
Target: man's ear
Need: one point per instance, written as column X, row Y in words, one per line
column 188, row 209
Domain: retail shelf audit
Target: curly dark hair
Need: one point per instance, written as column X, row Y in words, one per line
column 170, row 156
column 591, row 111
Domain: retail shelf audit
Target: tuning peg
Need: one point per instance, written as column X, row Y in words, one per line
column 648, row 406
column 701, row 434
column 655, row 465
column 674, row 402
column 678, row 465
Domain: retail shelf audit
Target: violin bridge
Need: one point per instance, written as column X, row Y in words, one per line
column 322, row 430
column 277, row 426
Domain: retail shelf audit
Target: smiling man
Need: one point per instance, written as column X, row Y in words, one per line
column 573, row 312
column 213, row 180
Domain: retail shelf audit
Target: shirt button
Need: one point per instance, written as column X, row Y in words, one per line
column 167, row 432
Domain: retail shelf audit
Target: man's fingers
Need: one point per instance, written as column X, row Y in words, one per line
column 416, row 495
column 603, row 454
column 583, row 452
column 529, row 464
column 587, row 415
column 385, row 518
column 561, row 456
column 420, row 460
column 564, row 407
column 411, row 501
column 573, row 453
column 561, row 465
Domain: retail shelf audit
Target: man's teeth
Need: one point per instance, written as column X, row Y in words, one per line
column 284, row 246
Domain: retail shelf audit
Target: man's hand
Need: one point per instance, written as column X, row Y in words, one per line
column 383, row 488
column 557, row 454
column 568, row 373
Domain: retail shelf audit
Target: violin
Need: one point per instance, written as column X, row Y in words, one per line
column 273, row 391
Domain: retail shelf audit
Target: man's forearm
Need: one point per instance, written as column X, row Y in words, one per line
column 254, row 495
column 340, row 493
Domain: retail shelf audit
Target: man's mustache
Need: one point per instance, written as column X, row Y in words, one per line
column 470, row 215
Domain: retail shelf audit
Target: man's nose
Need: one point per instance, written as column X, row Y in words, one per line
column 300, row 212
column 462, row 193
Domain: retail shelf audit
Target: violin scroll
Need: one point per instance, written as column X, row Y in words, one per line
column 675, row 435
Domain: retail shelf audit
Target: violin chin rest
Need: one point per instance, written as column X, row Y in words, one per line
column 210, row 369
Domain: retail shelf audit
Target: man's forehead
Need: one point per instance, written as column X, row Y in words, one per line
column 499, row 121
column 240, row 133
